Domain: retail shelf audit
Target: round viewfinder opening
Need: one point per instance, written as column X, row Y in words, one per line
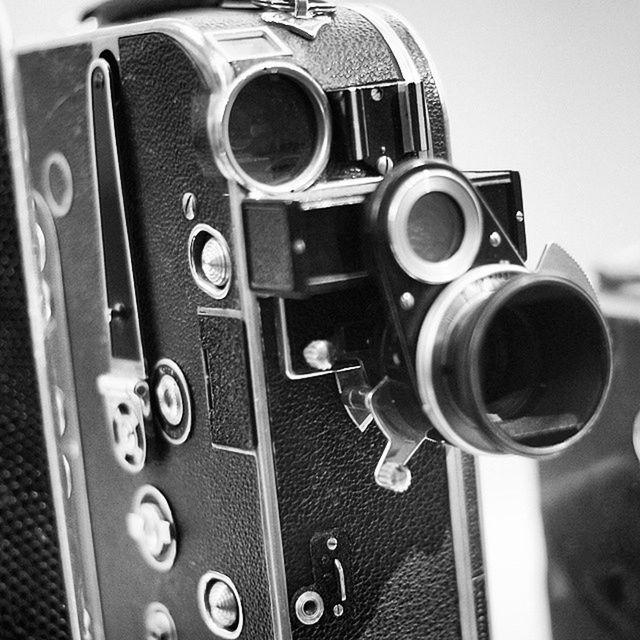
column 435, row 227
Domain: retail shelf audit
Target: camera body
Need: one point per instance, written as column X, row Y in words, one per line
column 250, row 250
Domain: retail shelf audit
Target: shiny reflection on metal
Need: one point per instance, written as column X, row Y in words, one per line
column 189, row 203
column 408, row 193
column 174, row 401
column 461, row 543
column 264, row 452
column 250, row 44
column 320, row 354
column 303, row 17
column 407, row 301
column 59, row 197
column 158, row 623
column 472, row 287
column 61, row 414
column 636, row 435
column 299, row 246
column 170, row 400
column 210, row 261
column 67, row 476
column 309, row 607
column 151, row 525
column 495, row 239
column 342, row 583
column 220, row 605
column 284, row 349
column 353, row 389
column 398, row 415
column 41, row 247
column 384, row 164
column 220, row 114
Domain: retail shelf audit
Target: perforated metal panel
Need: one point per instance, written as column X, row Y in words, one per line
column 32, row 596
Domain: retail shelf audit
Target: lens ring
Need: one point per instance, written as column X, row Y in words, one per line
column 470, row 427
column 408, row 194
column 221, row 139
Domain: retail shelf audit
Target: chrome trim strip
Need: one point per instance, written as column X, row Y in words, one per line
column 78, row 516
column 13, row 105
column 264, row 451
column 220, row 313
column 461, row 542
column 357, row 126
column 226, row 447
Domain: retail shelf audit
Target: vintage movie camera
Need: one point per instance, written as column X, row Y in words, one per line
column 255, row 328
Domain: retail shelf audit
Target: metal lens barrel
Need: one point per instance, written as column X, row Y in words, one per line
column 531, row 364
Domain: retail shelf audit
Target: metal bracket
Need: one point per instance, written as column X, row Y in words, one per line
column 303, row 17
column 394, row 408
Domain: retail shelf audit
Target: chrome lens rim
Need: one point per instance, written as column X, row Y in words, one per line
column 430, row 343
column 223, row 152
column 400, row 208
column 456, row 426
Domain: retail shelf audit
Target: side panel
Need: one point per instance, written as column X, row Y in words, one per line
column 213, row 493
column 32, row 594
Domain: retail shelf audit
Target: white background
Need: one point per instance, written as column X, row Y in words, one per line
column 551, row 88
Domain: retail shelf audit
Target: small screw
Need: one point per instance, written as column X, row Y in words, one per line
column 141, row 389
column 98, row 79
column 376, row 94
column 384, row 165
column 520, row 216
column 299, row 246
column 332, row 544
column 407, row 301
column 338, row 610
column 320, row 354
column 494, row 239
column 189, row 205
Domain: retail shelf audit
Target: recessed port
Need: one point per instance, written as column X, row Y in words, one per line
column 210, row 261
column 220, row 605
column 309, row 607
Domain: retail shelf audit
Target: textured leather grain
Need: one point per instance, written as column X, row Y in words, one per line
column 347, row 53
column 403, row 573
column 213, row 494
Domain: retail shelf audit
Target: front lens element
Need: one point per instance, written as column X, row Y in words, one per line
column 435, row 227
column 277, row 129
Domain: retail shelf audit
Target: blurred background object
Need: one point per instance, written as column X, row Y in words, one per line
column 548, row 88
